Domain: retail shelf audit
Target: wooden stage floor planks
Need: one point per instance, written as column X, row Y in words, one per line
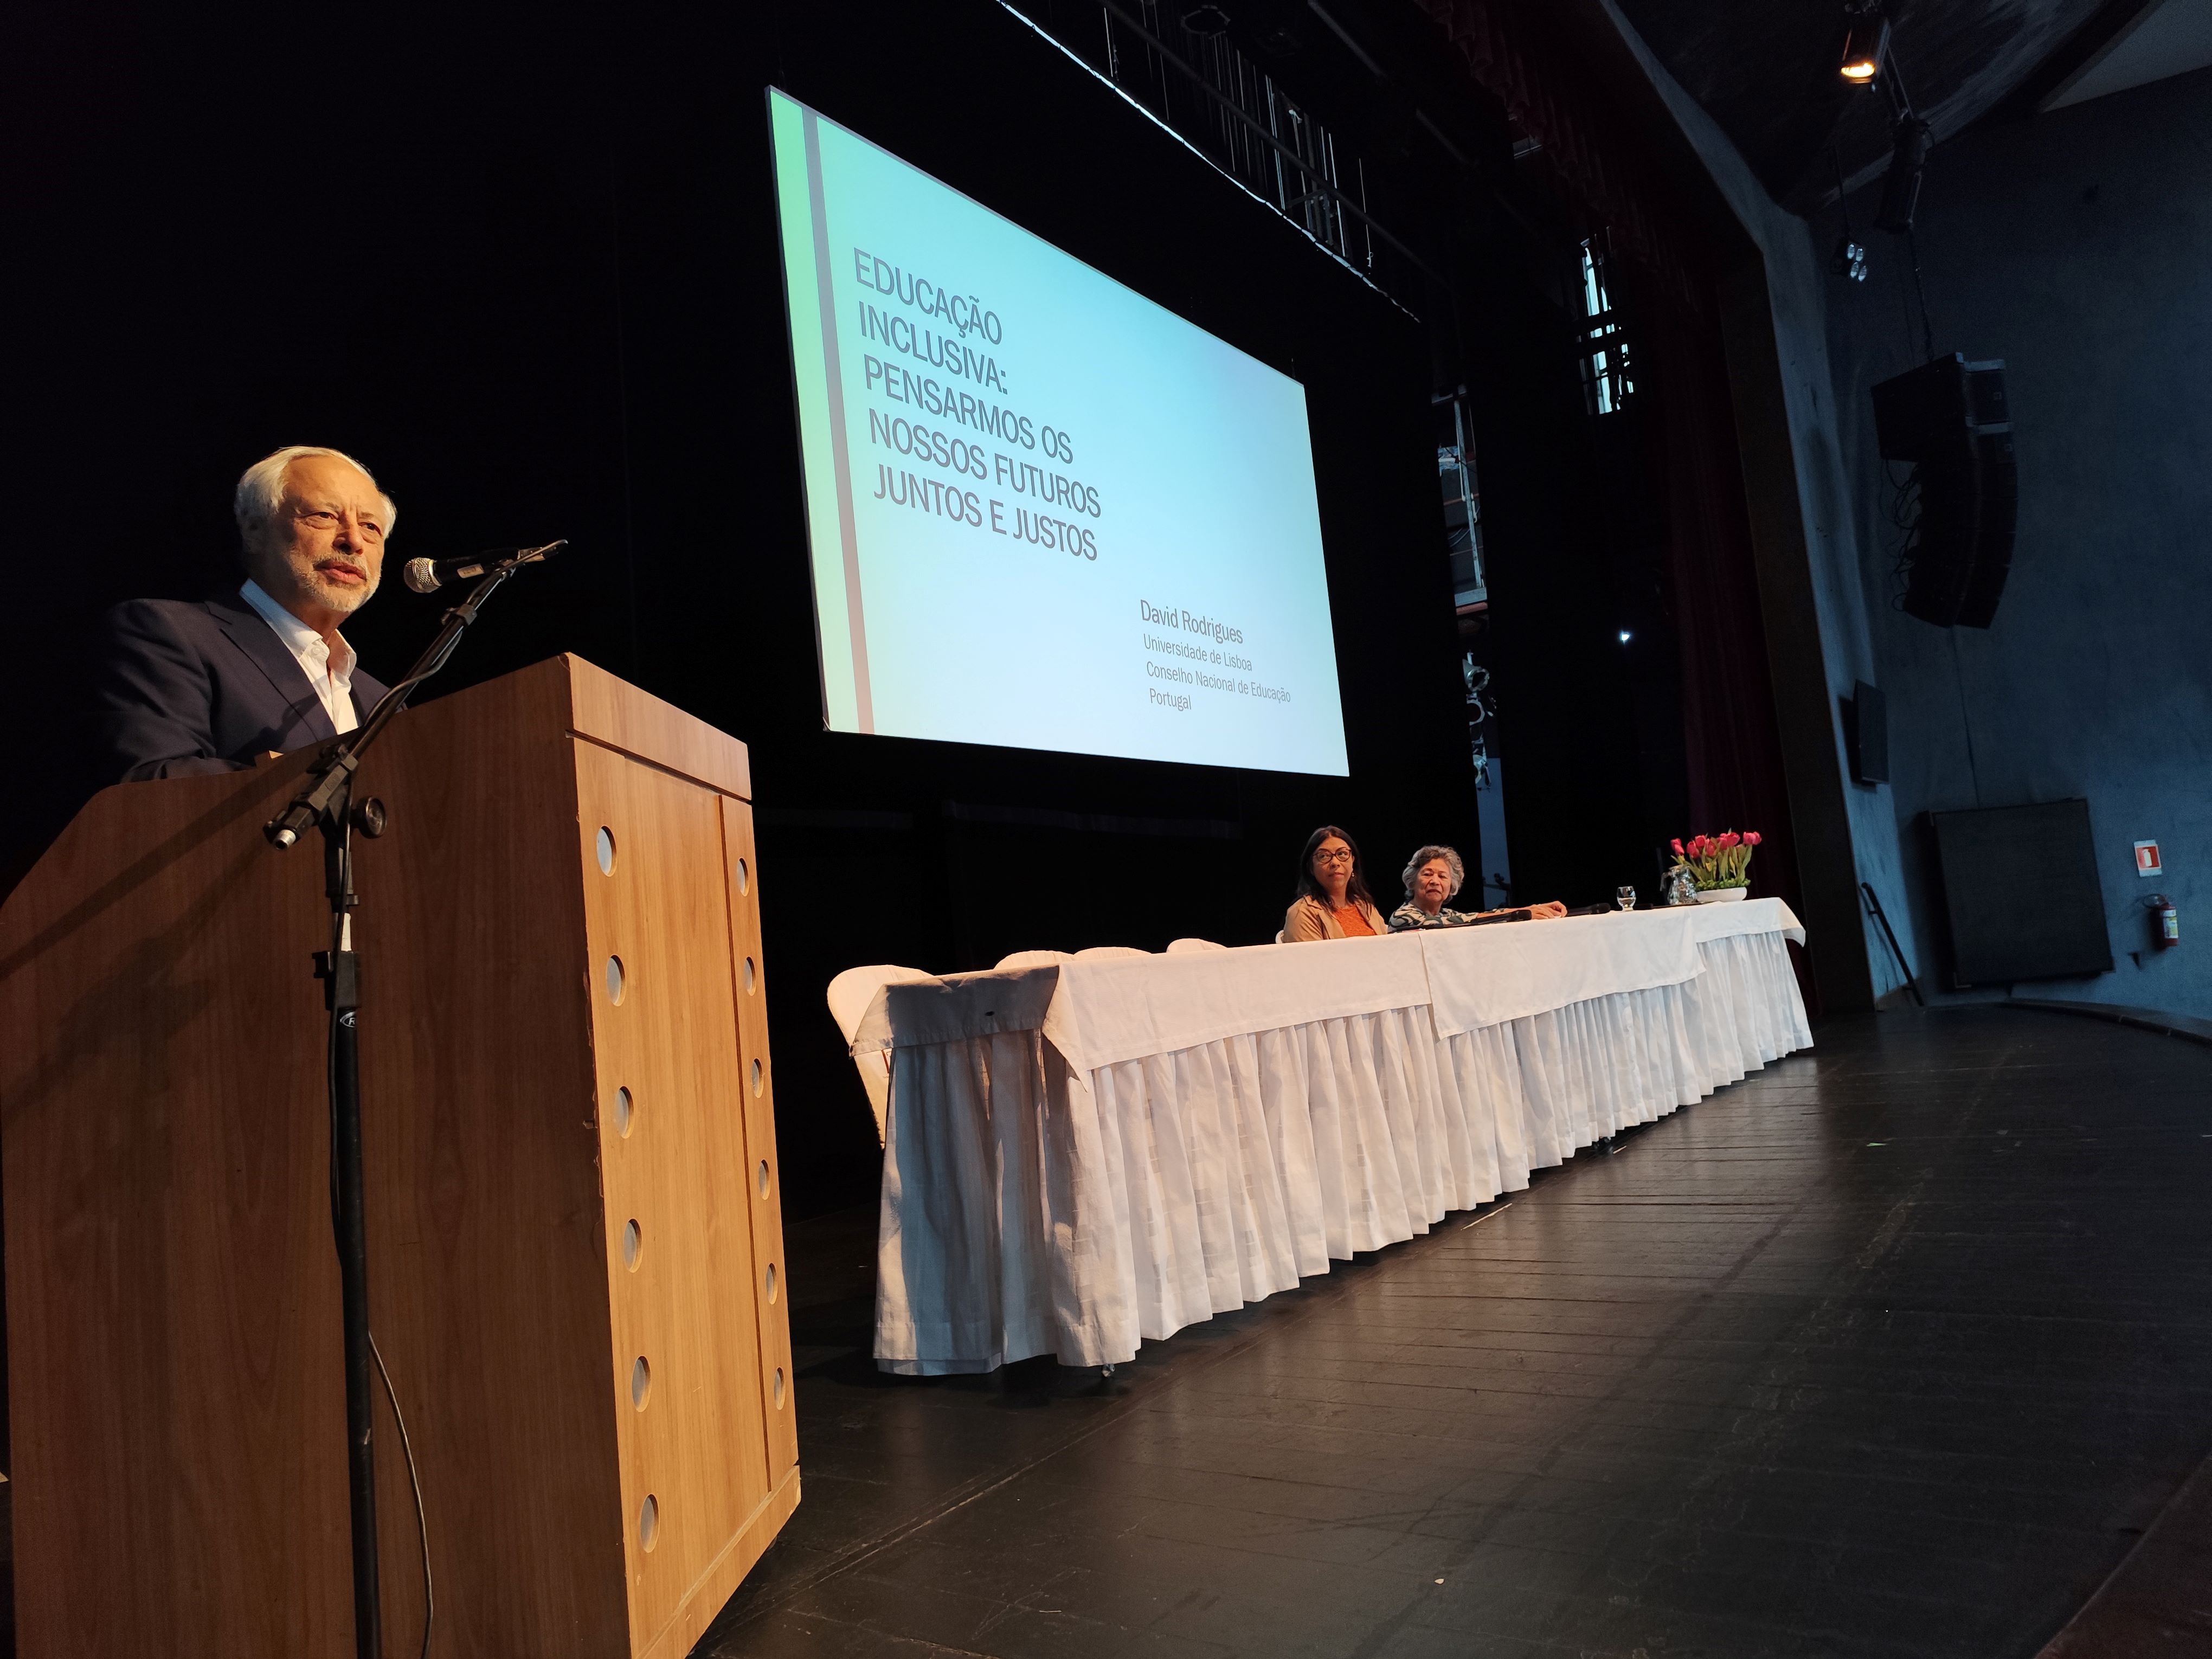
column 1894, row 1348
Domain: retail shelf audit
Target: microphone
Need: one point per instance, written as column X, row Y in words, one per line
column 428, row 575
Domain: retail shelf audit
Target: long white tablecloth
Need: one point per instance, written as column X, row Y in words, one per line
column 1083, row 1156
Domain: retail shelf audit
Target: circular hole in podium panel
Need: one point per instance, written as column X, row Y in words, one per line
column 749, row 976
column 614, row 979
column 641, row 1382
column 606, row 850
column 779, row 1387
column 771, row 1281
column 762, row 1178
column 625, row 1108
column 745, row 878
column 756, row 1076
column 633, row 1245
column 648, row 1523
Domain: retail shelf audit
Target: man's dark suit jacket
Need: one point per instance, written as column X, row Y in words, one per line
column 184, row 687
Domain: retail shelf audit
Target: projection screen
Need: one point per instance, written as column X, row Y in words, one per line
column 1043, row 511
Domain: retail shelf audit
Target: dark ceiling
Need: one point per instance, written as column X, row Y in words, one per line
column 1765, row 70
column 1381, row 72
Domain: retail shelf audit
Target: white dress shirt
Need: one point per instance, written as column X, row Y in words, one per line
column 332, row 675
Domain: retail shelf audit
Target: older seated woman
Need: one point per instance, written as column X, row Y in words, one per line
column 1333, row 901
column 1434, row 874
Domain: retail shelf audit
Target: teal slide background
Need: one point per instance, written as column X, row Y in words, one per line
column 1199, row 457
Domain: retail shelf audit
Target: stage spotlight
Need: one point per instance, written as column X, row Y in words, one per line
column 1205, row 21
column 1900, row 185
column 1850, row 259
column 1624, row 637
column 1864, row 48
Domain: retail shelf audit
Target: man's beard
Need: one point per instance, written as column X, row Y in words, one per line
column 337, row 598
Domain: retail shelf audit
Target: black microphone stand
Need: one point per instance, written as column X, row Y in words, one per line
column 324, row 800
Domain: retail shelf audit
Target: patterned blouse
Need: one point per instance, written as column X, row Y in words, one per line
column 1410, row 914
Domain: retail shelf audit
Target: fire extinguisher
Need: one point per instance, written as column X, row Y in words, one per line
column 2166, row 919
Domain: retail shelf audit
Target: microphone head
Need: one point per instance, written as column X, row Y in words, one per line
column 422, row 575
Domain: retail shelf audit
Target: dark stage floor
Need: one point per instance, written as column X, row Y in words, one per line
column 1896, row 1348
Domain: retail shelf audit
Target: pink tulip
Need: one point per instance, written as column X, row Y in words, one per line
column 1751, row 837
column 1677, row 845
column 1729, row 840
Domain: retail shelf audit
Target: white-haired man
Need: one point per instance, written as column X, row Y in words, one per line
column 186, row 687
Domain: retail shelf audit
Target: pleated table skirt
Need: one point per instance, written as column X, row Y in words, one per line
column 1031, row 1208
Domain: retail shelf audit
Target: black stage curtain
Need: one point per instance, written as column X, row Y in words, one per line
column 1610, row 150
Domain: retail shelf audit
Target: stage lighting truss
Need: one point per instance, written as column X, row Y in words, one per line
column 1463, row 503
column 1470, row 573
column 1608, row 367
column 1178, row 65
column 1481, row 713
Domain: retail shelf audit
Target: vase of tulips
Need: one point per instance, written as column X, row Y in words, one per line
column 1719, row 865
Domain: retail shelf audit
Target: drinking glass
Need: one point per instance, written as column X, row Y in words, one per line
column 1625, row 898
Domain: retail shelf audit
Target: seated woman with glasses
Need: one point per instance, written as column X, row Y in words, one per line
column 1434, row 874
column 1333, row 901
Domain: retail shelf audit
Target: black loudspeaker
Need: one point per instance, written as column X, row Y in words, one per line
column 1950, row 418
column 2022, row 892
column 1866, row 733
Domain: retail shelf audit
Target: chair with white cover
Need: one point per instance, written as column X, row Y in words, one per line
column 1031, row 959
column 1178, row 947
column 849, row 995
column 1108, row 953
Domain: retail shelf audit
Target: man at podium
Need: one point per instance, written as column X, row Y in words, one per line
column 183, row 687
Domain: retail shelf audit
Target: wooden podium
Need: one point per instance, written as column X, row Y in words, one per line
column 575, row 1251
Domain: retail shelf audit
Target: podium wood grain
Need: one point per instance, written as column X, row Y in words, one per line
column 177, row 1403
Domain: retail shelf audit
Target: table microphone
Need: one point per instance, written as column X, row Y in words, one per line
column 428, row 575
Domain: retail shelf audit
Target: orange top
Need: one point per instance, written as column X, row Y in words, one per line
column 1354, row 924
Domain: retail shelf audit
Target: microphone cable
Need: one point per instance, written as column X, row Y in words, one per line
column 421, row 1522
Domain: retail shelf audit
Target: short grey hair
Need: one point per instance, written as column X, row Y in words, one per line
column 1451, row 863
column 261, row 489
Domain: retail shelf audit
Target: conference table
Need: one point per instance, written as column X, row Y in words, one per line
column 1093, row 1152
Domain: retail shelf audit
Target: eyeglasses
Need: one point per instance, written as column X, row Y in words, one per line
column 1342, row 855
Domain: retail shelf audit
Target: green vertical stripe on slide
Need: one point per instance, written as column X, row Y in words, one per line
column 864, row 710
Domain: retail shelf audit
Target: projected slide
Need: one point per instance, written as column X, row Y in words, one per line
column 1043, row 511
